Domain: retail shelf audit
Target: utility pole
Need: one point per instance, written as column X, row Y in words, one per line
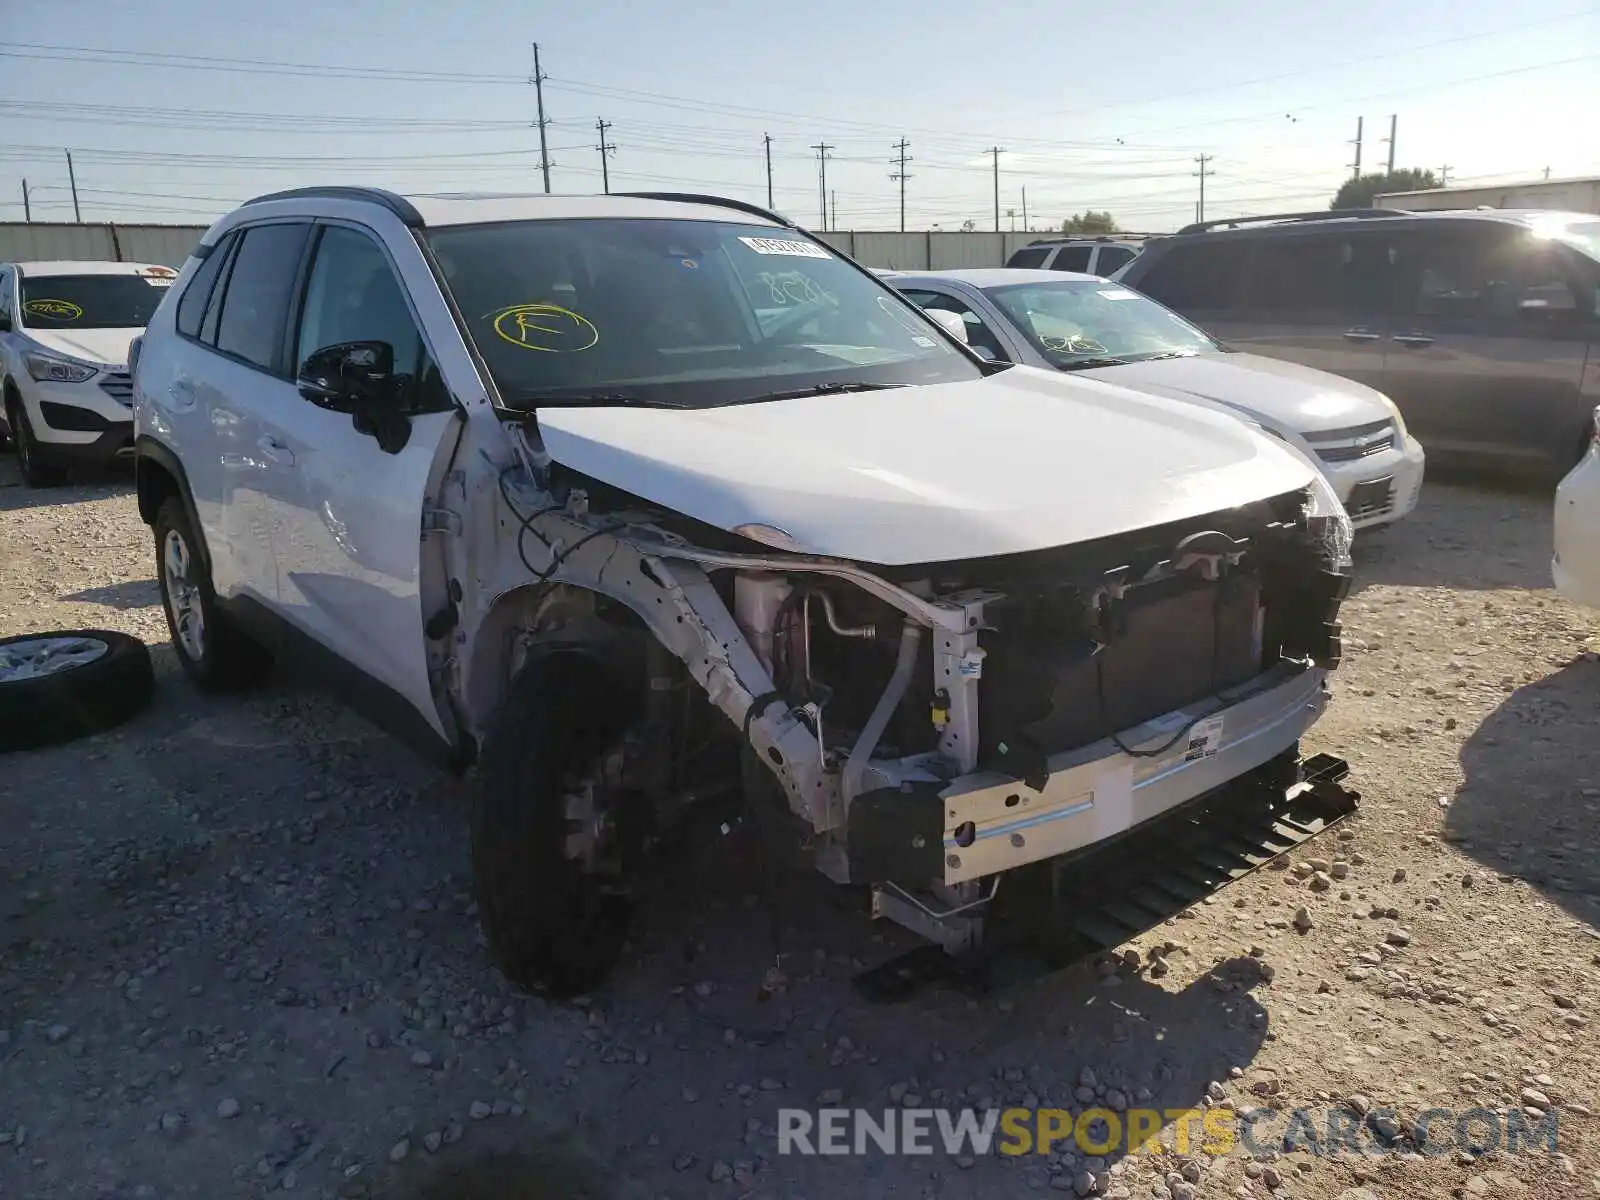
column 823, row 149
column 1356, row 166
column 766, row 139
column 73, row 180
column 27, row 207
column 996, row 152
column 538, row 91
column 1200, row 208
column 900, row 160
column 1393, row 121
column 1444, row 175
column 607, row 149
column 1025, row 209
column 1547, row 174
column 1011, row 215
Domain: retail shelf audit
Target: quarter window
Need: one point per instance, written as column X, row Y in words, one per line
column 192, row 304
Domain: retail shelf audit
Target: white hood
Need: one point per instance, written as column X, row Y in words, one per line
column 106, row 347
column 1296, row 398
column 1022, row 460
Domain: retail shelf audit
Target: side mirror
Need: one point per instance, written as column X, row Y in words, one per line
column 358, row 378
column 951, row 322
column 350, row 377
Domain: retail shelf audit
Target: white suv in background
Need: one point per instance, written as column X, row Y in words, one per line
column 65, row 329
column 653, row 500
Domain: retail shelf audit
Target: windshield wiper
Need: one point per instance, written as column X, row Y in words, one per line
column 821, row 389
column 1169, row 354
column 1085, row 364
column 591, row 400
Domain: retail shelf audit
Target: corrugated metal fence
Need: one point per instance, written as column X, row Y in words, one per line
column 170, row 245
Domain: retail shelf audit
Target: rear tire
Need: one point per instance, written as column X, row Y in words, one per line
column 554, row 923
column 213, row 652
column 34, row 461
column 39, row 706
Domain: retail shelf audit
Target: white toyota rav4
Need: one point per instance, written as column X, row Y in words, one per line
column 65, row 328
column 636, row 500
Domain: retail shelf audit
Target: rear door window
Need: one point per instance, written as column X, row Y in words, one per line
column 1342, row 273
column 1072, row 258
column 255, row 304
column 1111, row 258
column 1032, row 256
column 1483, row 273
column 1198, row 277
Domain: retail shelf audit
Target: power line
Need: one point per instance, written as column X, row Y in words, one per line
column 538, row 91
column 606, row 149
column 899, row 174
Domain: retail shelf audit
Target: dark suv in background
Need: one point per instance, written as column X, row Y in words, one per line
column 1481, row 326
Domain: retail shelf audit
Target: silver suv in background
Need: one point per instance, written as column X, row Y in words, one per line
column 1481, row 326
column 1091, row 255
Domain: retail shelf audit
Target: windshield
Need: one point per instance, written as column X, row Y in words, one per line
column 92, row 301
column 1073, row 322
column 691, row 313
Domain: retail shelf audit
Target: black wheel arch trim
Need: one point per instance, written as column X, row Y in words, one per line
column 147, row 449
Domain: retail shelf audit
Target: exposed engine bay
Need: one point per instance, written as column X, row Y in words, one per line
column 936, row 726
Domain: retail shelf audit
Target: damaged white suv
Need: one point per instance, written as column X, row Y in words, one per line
column 629, row 499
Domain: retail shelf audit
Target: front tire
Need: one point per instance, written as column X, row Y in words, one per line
column 34, row 461
column 211, row 649
column 550, row 772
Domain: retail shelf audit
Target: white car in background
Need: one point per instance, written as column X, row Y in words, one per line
column 65, row 329
column 1576, row 565
column 1103, row 330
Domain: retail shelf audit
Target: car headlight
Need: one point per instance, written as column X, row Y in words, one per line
column 49, row 369
column 1329, row 524
column 1400, row 434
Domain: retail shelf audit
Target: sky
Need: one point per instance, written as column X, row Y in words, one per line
column 176, row 112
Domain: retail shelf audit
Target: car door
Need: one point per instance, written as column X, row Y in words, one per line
column 1487, row 350
column 1203, row 280
column 349, row 545
column 241, row 375
column 1320, row 299
column 986, row 332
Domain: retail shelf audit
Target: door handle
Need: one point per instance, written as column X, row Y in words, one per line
column 1361, row 335
column 276, row 451
column 1413, row 340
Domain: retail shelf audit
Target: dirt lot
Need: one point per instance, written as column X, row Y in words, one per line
column 237, row 952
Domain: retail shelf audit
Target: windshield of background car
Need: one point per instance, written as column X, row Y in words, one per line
column 695, row 313
column 67, row 302
column 1072, row 320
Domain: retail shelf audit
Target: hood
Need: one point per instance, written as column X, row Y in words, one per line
column 108, row 347
column 1296, row 398
column 1021, row 460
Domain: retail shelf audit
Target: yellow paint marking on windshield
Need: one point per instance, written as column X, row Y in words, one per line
column 545, row 327
column 56, row 310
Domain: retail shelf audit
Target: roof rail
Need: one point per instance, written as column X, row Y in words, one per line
column 1329, row 214
column 715, row 201
column 398, row 205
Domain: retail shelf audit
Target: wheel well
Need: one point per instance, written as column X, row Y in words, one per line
column 155, row 486
column 570, row 615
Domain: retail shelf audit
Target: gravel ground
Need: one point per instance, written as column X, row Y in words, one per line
column 239, row 955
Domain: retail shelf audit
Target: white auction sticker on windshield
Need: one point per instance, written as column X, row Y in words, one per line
column 785, row 246
column 1118, row 294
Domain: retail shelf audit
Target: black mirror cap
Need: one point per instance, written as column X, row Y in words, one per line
column 348, row 375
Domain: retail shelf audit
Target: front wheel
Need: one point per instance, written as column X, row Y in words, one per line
column 554, row 823
column 38, row 471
